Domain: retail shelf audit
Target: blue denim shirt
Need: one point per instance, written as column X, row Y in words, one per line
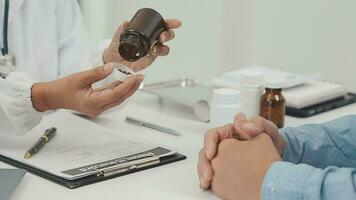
column 319, row 163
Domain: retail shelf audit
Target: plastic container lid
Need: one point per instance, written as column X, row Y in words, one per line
column 226, row 96
column 251, row 78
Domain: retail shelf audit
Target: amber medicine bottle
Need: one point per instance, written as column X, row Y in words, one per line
column 273, row 104
column 141, row 34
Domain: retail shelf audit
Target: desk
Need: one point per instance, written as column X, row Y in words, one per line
column 174, row 181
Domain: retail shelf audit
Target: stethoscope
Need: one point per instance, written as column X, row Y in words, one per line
column 5, row 48
column 7, row 61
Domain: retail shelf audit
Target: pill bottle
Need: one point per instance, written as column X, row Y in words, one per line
column 141, row 34
column 273, row 104
column 251, row 87
column 224, row 106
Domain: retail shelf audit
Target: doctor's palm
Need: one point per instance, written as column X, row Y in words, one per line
column 111, row 54
column 75, row 92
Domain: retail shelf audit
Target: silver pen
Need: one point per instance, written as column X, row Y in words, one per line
column 152, row 126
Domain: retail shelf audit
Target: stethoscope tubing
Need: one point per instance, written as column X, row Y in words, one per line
column 5, row 49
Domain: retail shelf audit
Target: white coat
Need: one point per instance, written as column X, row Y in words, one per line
column 46, row 37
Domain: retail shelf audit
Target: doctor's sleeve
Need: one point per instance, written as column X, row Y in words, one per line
column 321, row 145
column 17, row 115
column 75, row 51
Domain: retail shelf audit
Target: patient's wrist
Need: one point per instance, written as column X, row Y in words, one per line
column 282, row 142
column 281, row 145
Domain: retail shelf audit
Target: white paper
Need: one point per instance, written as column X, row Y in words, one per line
column 78, row 142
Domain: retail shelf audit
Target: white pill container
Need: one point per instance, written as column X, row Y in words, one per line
column 121, row 72
column 251, row 87
column 224, row 106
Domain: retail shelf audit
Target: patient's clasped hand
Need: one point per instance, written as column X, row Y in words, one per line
column 252, row 159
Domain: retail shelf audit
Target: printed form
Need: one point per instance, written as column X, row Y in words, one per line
column 80, row 147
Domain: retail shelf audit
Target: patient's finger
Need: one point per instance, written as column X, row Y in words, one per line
column 213, row 137
column 205, row 172
column 239, row 120
column 260, row 125
column 266, row 126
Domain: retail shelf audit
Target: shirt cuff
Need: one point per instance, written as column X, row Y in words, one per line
column 292, row 152
column 21, row 112
column 286, row 181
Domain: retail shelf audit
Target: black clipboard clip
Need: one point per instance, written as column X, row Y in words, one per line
column 134, row 162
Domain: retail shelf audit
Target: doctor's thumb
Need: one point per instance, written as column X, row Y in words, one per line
column 94, row 75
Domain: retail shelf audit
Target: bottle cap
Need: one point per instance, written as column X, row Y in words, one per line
column 275, row 84
column 226, row 96
column 251, row 78
column 121, row 72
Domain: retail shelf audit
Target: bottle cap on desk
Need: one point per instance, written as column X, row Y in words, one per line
column 226, row 96
column 252, row 78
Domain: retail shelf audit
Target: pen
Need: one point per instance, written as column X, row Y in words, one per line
column 152, row 126
column 46, row 137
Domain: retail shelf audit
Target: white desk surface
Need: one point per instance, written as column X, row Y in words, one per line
column 174, row 181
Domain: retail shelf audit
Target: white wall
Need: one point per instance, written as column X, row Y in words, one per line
column 304, row 36
column 307, row 36
column 206, row 44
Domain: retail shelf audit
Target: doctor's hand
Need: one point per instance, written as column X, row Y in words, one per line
column 240, row 167
column 111, row 54
column 241, row 129
column 75, row 92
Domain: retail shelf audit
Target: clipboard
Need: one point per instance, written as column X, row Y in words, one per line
column 94, row 155
column 141, row 164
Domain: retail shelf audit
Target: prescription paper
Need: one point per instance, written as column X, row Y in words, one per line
column 78, row 142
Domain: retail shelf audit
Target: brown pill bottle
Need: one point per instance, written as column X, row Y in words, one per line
column 273, row 104
column 141, row 34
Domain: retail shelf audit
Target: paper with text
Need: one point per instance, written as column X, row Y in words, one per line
column 78, row 142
